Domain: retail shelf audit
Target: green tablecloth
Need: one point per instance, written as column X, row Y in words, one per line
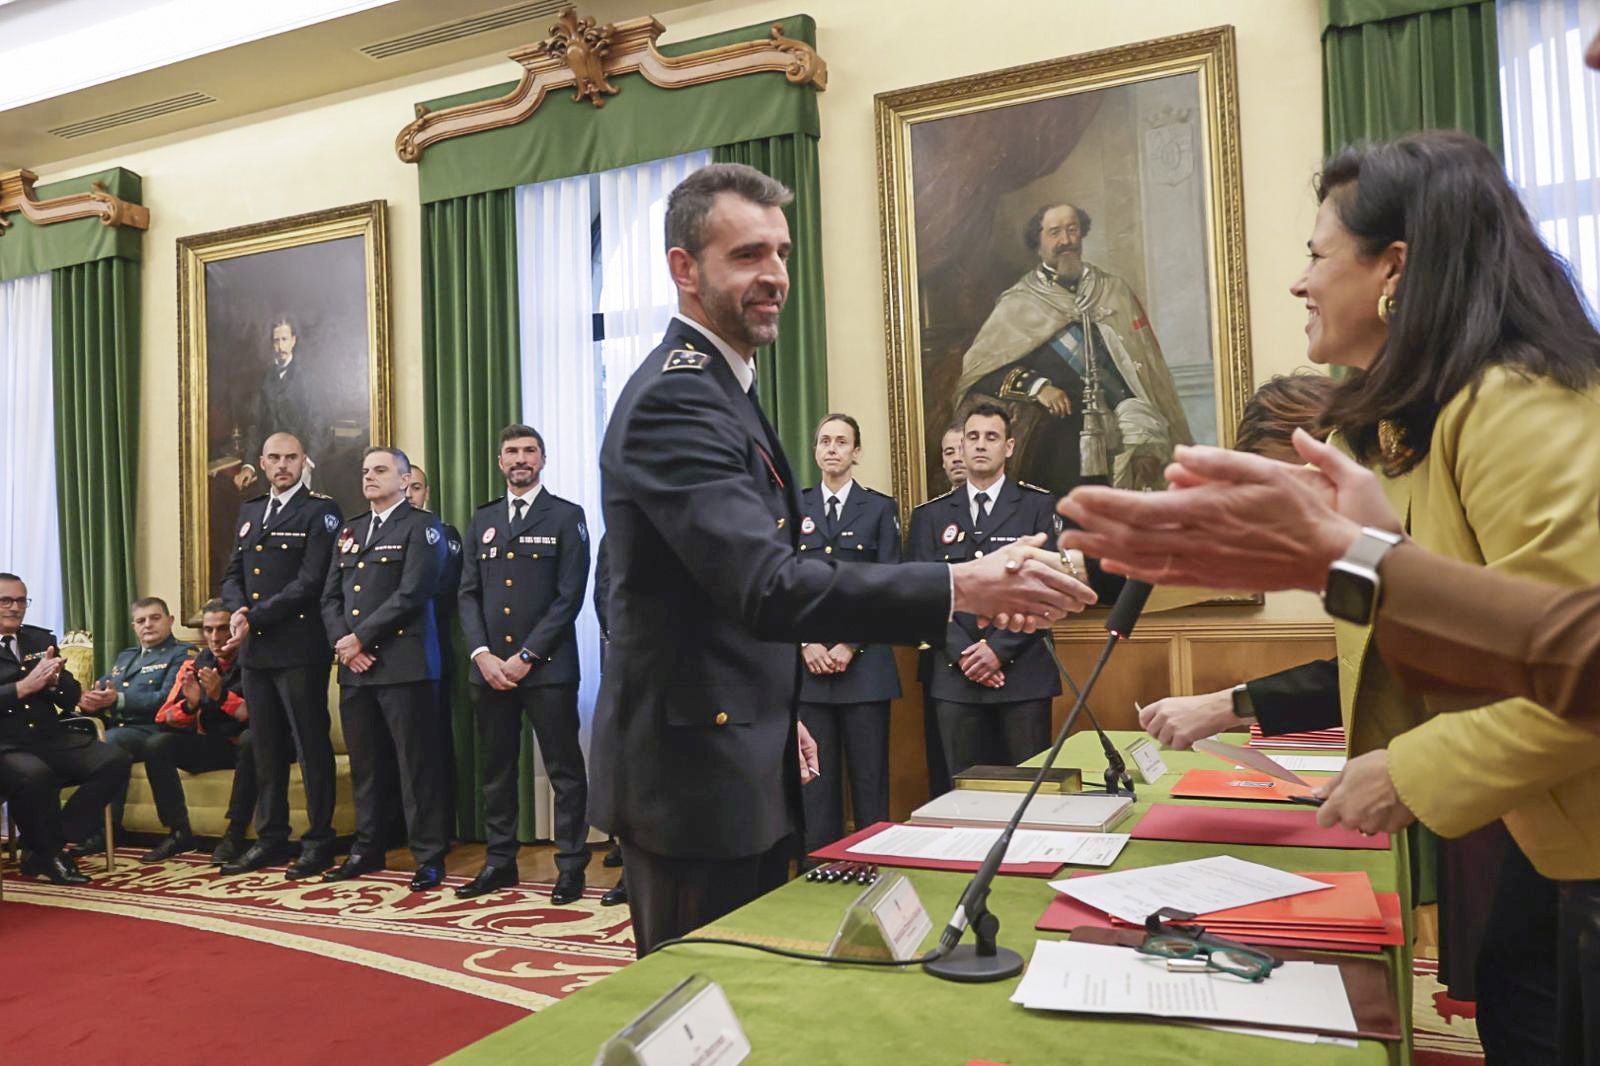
column 813, row 1014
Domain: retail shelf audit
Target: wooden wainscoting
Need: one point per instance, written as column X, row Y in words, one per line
column 1198, row 649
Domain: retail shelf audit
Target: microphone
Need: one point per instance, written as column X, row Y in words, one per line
column 985, row 960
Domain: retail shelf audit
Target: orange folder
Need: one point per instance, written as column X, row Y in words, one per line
column 1349, row 904
column 1235, row 785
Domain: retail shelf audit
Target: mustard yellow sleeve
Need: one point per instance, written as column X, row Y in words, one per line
column 1514, row 479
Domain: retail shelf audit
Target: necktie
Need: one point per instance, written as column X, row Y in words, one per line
column 833, row 514
column 10, row 645
column 780, row 463
column 521, row 507
column 372, row 530
column 272, row 511
column 982, row 500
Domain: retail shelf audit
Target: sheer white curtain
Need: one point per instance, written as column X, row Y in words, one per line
column 30, row 540
column 1551, row 110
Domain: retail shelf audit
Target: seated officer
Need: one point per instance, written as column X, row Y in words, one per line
column 130, row 695
column 203, row 727
column 38, row 754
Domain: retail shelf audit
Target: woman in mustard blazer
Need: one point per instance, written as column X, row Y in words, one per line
column 1475, row 386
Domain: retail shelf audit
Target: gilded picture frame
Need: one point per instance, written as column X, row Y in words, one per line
column 282, row 325
column 1138, row 149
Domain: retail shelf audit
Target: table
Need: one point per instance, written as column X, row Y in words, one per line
column 813, row 1014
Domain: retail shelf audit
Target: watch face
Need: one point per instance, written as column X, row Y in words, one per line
column 1348, row 596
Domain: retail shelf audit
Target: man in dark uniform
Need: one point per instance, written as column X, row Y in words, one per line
column 521, row 591
column 955, row 472
column 130, row 695
column 377, row 603
column 991, row 689
column 419, row 493
column 847, row 686
column 617, row 894
column 38, row 754
column 273, row 586
column 697, row 745
column 205, row 724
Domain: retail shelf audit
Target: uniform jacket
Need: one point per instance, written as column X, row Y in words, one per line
column 33, row 722
column 224, row 717
column 942, row 530
column 1297, row 700
column 278, row 573
column 1511, row 482
column 694, row 736
column 868, row 531
column 142, row 677
column 445, row 609
column 522, row 586
column 383, row 593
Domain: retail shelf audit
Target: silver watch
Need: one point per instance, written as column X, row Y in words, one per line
column 1351, row 592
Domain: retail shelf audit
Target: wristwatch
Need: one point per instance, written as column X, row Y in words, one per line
column 526, row 656
column 1243, row 705
column 1353, row 583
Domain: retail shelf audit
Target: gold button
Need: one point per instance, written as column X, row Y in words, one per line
column 356, row 587
column 722, row 718
column 285, row 547
column 258, row 547
column 859, row 547
column 384, row 559
column 508, row 582
column 803, row 547
column 828, row 550
column 361, row 566
column 258, row 571
column 399, row 632
column 355, row 610
column 978, row 554
column 781, row 522
column 508, row 639
column 507, row 610
column 536, row 555
column 125, row 684
column 255, row 595
column 511, row 555
column 301, row 617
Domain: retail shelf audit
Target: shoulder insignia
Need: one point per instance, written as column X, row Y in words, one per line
column 937, row 498
column 318, row 495
column 1035, row 488
column 330, row 521
column 686, row 359
column 432, row 534
column 190, row 652
column 497, row 501
column 258, row 499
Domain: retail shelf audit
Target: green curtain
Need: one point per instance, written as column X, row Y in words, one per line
column 1393, row 66
column 792, row 376
column 27, row 249
column 95, row 336
column 471, row 388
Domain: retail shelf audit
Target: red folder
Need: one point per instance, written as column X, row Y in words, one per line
column 1240, row 825
column 1236, row 785
column 839, row 850
column 1313, row 740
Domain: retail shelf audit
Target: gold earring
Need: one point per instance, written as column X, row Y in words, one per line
column 1385, row 308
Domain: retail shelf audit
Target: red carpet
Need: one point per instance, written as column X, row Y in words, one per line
column 1444, row 1031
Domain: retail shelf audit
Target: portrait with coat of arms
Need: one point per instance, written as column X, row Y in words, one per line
column 1066, row 239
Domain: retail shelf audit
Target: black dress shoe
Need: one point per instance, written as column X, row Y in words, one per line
column 177, row 842
column 616, row 896
column 256, row 856
column 613, row 857
column 93, row 844
column 488, row 880
column 314, row 858
column 229, row 847
column 353, row 866
column 428, row 875
column 569, row 887
column 58, row 869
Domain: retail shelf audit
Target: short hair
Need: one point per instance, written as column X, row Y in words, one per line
column 987, row 410
column 213, row 605
column 419, row 472
column 837, row 416
column 955, row 427
column 401, row 460
column 1284, row 404
column 12, row 577
column 150, row 601
column 516, row 431
column 283, row 320
column 692, row 200
column 1035, row 225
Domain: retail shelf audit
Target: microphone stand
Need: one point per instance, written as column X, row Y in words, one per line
column 1118, row 781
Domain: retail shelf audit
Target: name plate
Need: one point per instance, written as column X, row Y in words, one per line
column 693, row 1025
column 887, row 920
column 1146, row 756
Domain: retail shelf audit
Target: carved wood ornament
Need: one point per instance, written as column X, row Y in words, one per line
column 16, row 194
column 586, row 57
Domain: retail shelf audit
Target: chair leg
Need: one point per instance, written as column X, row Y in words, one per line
column 111, row 844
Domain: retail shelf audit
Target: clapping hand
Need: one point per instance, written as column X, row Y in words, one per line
column 43, row 675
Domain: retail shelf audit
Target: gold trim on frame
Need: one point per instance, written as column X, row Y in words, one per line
column 584, row 56
column 366, row 220
column 1206, row 53
column 16, row 194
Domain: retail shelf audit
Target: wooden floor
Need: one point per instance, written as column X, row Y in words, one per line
column 536, row 862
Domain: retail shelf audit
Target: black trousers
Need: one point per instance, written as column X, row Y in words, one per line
column 1516, row 980
column 671, row 897
column 552, row 711
column 1578, row 972
column 992, row 734
column 289, row 720
column 933, row 741
column 375, row 716
column 32, row 779
column 851, row 738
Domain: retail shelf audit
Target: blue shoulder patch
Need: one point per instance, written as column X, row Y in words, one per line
column 686, row 359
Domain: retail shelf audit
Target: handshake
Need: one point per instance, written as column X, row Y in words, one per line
column 1023, row 586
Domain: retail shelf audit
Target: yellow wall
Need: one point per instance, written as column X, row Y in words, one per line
column 339, row 150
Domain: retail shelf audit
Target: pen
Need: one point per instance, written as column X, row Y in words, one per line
column 1309, row 801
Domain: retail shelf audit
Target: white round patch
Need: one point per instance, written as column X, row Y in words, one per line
column 950, row 531
column 244, row 529
column 488, row 534
column 807, row 525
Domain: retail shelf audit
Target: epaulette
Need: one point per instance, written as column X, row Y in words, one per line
column 871, row 491
column 190, row 652
column 491, row 503
column 315, row 495
column 686, row 359
column 258, row 499
column 936, row 499
column 1035, row 488
column 36, row 629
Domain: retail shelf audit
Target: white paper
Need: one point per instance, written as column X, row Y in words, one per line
column 1199, row 886
column 958, row 844
column 1315, row 764
column 1103, row 979
column 1291, row 1035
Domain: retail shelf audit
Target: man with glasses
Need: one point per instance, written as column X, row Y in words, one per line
column 38, row 754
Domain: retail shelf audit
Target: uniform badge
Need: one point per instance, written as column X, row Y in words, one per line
column 330, row 521
column 950, row 533
column 488, row 534
column 494, row 553
column 244, row 529
column 432, row 534
column 686, row 359
column 583, row 533
column 455, row 547
column 807, row 525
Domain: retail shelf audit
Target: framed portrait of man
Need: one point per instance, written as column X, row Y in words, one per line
column 283, row 327
column 1066, row 239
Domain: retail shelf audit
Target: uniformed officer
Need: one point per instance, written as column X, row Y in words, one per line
column 955, row 472
column 991, row 689
column 698, row 749
column 38, row 754
column 617, row 894
column 273, row 586
column 521, row 589
column 419, row 493
column 377, row 604
column 131, row 694
column 847, row 686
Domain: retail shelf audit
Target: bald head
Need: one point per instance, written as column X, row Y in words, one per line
column 283, row 461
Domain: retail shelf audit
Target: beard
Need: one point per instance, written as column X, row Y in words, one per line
column 730, row 319
column 1067, row 266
